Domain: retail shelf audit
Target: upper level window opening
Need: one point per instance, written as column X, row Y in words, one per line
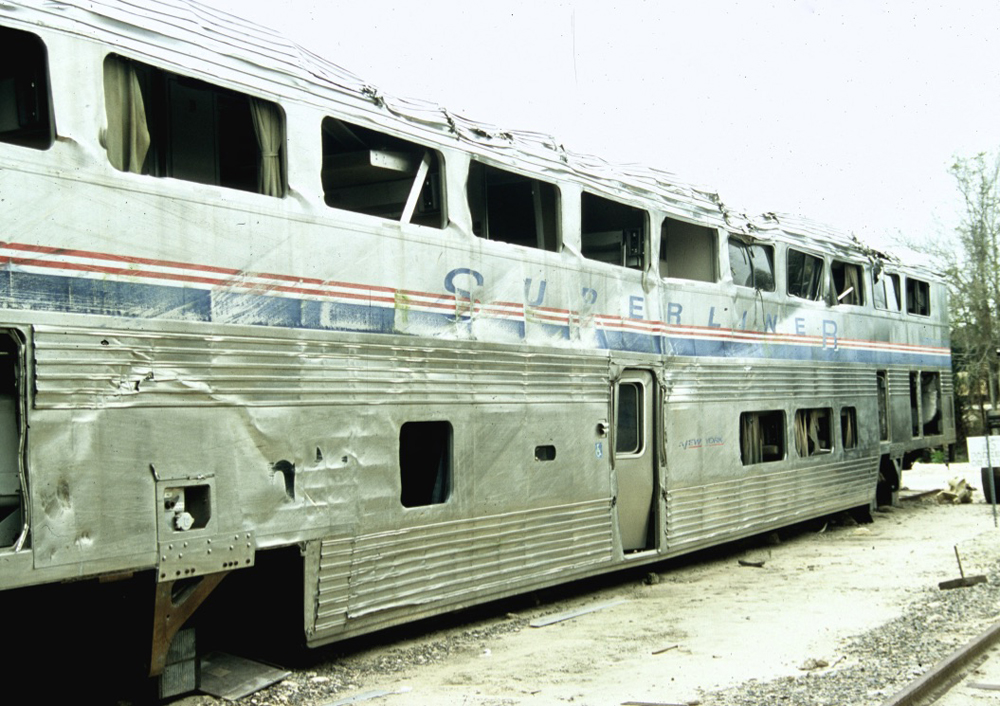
column 166, row 125
column 886, row 291
column 751, row 264
column 25, row 107
column 847, row 283
column 805, row 275
column 371, row 172
column 918, row 297
column 688, row 251
column 613, row 232
column 513, row 208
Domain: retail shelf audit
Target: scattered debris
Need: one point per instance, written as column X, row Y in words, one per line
column 773, row 538
column 665, row 649
column 229, row 677
column 651, row 579
column 963, row 582
column 811, row 664
column 559, row 617
column 754, row 564
column 368, row 696
column 983, row 685
column 958, row 492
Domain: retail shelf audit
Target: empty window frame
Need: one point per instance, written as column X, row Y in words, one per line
column 166, row 125
column 25, row 113
column 915, row 404
column 513, row 208
column 612, row 232
column 762, row 437
column 847, row 285
column 370, row 172
column 751, row 264
column 918, row 297
column 886, row 291
column 813, row 431
column 629, row 423
column 849, row 427
column 805, row 275
column 688, row 251
column 930, row 403
column 425, row 463
column 883, row 404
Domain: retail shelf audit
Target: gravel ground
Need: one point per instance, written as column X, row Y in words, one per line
column 885, row 623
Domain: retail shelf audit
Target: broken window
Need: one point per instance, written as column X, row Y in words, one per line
column 813, row 431
column 915, row 404
column 513, row 208
column 687, row 251
column 883, row 405
column 849, row 427
column 805, row 275
column 886, row 291
column 762, row 437
column 366, row 171
column 918, row 297
column 25, row 113
column 847, row 283
column 930, row 403
column 425, row 463
column 613, row 232
column 166, row 125
column 751, row 264
column 628, row 425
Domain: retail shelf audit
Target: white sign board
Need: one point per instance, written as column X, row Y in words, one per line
column 977, row 451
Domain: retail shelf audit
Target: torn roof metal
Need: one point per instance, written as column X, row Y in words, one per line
column 196, row 39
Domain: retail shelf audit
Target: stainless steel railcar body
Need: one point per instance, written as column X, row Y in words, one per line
column 499, row 367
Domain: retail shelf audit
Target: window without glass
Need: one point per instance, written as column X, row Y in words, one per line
column 166, row 125
column 805, row 275
column 918, row 297
column 930, row 403
column 370, row 172
column 751, row 264
column 512, row 208
column 425, row 463
column 762, row 437
column 687, row 251
column 915, row 404
column 25, row 114
column 883, row 405
column 813, row 431
column 628, row 426
column 847, row 283
column 886, row 291
column 613, row 232
column 849, row 427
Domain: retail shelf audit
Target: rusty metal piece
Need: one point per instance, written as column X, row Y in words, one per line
column 170, row 613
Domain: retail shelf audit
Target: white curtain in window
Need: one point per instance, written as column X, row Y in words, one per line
column 127, row 137
column 268, row 126
column 852, row 283
column 802, row 433
column 751, row 439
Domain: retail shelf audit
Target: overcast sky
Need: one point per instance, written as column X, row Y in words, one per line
column 848, row 112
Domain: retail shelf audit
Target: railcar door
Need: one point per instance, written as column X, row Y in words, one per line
column 635, row 458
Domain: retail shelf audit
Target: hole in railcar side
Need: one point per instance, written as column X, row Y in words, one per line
column 512, row 208
column 688, row 251
column 762, row 437
column 12, row 478
column 612, row 232
column 546, row 452
column 425, row 463
column 813, row 431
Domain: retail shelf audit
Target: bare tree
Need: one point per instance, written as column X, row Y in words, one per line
column 973, row 271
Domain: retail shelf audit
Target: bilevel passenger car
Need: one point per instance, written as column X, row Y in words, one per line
column 251, row 304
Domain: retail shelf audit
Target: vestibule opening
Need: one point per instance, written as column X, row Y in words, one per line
column 12, row 479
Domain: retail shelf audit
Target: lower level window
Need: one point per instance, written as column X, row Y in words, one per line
column 849, row 427
column 813, row 432
column 762, row 437
column 425, row 463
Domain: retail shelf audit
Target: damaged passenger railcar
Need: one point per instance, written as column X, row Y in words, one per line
column 277, row 309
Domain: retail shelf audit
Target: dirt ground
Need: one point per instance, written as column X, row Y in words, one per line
column 697, row 627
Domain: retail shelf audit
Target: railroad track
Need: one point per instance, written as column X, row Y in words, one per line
column 950, row 673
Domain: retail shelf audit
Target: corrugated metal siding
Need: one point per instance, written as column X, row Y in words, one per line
column 82, row 368
column 379, row 579
column 726, row 382
column 708, row 514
